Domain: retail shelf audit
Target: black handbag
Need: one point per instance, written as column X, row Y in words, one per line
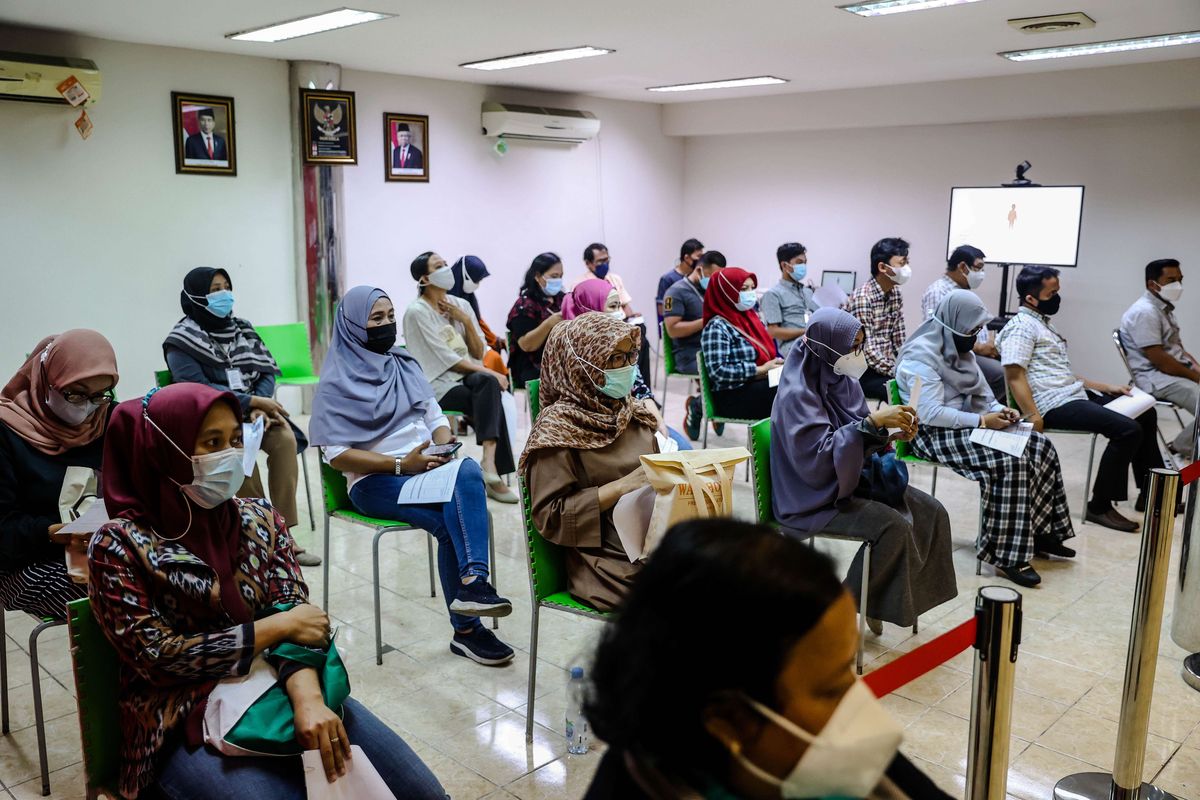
column 884, row 479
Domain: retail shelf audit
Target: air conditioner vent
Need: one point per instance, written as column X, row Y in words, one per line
column 1053, row 23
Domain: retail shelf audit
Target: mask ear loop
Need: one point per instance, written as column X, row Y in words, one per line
column 187, row 501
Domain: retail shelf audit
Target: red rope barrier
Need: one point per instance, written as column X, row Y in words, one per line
column 911, row 666
column 1190, row 473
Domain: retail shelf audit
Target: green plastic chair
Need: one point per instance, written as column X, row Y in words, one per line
column 711, row 416
column 39, row 717
column 1012, row 403
column 162, row 378
column 290, row 348
column 96, row 668
column 668, row 351
column 534, row 387
column 337, row 504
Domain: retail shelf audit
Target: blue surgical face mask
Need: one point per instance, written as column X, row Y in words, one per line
column 799, row 271
column 220, row 304
column 553, row 286
column 618, row 383
column 704, row 281
column 746, row 300
column 601, row 270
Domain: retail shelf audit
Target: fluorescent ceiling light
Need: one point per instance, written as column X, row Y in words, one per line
column 539, row 57
column 1096, row 48
column 330, row 20
column 881, row 8
column 735, row 83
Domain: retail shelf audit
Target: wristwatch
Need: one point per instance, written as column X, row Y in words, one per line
column 399, row 466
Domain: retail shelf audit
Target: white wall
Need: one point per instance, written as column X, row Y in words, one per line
column 100, row 233
column 840, row 191
column 622, row 189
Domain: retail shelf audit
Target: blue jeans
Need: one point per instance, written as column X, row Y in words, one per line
column 460, row 526
column 679, row 438
column 204, row 773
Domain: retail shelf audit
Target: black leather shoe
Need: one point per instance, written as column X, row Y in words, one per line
column 1049, row 546
column 1021, row 574
column 1112, row 519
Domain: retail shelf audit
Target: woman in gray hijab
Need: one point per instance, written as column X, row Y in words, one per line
column 1025, row 509
column 822, row 437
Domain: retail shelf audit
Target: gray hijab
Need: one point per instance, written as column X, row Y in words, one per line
column 932, row 344
column 364, row 395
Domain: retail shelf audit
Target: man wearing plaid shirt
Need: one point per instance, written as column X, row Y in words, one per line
column 878, row 306
column 1039, row 374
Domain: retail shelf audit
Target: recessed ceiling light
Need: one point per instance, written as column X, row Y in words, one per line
column 1096, row 48
column 881, row 8
column 539, row 57
column 330, row 20
column 735, row 83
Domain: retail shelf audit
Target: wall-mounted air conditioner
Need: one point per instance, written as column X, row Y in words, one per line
column 512, row 121
column 34, row 79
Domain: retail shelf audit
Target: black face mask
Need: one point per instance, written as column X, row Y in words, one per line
column 963, row 344
column 382, row 338
column 1050, row 307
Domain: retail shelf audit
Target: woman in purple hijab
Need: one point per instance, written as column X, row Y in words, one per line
column 822, row 435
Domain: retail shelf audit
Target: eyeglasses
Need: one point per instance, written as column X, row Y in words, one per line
column 618, row 359
column 79, row 398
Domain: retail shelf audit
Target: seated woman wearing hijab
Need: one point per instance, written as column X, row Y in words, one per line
column 537, row 310
column 183, row 583
column 52, row 418
column 469, row 272
column 594, row 294
column 772, row 709
column 211, row 346
column 583, row 453
column 374, row 414
column 443, row 335
column 738, row 351
column 822, row 437
column 1025, row 509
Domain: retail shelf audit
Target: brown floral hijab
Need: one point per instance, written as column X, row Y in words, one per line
column 574, row 413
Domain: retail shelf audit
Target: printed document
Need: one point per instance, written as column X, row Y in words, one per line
column 1011, row 440
column 434, row 486
column 1132, row 405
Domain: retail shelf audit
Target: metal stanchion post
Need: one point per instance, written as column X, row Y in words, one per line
column 1185, row 622
column 998, row 635
column 1125, row 783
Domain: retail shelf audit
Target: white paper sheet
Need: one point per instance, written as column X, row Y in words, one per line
column 252, row 436
column 773, row 375
column 665, row 443
column 631, row 518
column 831, row 296
column 1011, row 440
column 1132, row 405
column 434, row 486
column 361, row 781
column 90, row 521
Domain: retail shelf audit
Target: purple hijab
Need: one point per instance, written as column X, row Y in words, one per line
column 816, row 446
column 589, row 295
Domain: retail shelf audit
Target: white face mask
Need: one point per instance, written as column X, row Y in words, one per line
column 69, row 413
column 469, row 286
column 442, row 278
column 619, row 315
column 1171, row 292
column 900, row 275
column 847, row 758
column 852, row 365
column 975, row 278
column 216, row 477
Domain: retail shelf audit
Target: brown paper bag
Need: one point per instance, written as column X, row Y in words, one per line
column 690, row 484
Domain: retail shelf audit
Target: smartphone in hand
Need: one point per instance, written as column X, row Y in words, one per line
column 445, row 450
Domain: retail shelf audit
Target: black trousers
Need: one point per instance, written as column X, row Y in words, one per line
column 874, row 385
column 1131, row 442
column 749, row 401
column 478, row 396
column 644, row 355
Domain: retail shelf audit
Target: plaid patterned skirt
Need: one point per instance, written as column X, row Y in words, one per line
column 1022, row 497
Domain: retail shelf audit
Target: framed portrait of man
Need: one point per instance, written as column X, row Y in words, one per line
column 327, row 128
column 204, row 134
column 405, row 147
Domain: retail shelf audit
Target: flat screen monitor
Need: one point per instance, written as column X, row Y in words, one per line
column 1018, row 224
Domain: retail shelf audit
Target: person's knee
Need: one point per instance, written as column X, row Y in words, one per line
column 470, row 471
column 1126, row 431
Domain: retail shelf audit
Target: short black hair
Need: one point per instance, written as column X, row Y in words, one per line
column 689, row 247
column 1156, row 268
column 206, row 112
column 964, row 253
column 540, row 266
column 788, row 251
column 713, row 258
column 420, row 268
column 589, row 252
column 885, row 250
column 1030, row 280
column 709, row 581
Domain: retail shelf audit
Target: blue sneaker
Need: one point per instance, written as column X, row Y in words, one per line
column 482, row 646
column 479, row 599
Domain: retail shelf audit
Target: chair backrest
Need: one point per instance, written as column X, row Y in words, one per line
column 668, row 349
column 1121, row 350
column 290, row 348
column 96, row 669
column 760, row 447
column 903, row 450
column 333, row 489
column 705, row 391
column 162, row 377
column 547, row 565
column 534, row 387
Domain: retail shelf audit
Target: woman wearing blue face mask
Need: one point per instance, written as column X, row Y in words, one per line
column 584, row 450
column 534, row 315
column 210, row 345
column 738, row 351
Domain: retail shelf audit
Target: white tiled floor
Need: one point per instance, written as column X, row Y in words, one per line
column 467, row 722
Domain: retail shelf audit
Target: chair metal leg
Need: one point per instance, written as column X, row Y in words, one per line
column 532, row 687
column 375, row 582
column 917, row 625
column 862, row 611
column 429, row 549
column 325, row 569
column 38, row 713
column 1087, row 484
column 492, row 563
column 750, row 447
column 704, row 423
column 933, row 488
column 312, row 522
column 3, row 676
column 979, row 534
column 666, row 384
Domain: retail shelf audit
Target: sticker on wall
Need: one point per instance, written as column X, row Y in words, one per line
column 405, row 147
column 73, row 91
column 83, row 125
column 204, row 134
column 327, row 127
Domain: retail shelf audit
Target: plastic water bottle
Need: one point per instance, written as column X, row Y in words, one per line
column 579, row 736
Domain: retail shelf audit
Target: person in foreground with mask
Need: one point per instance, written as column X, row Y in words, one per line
column 1159, row 363
column 584, row 450
column 832, row 472
column 443, row 334
column 878, row 305
column 1025, row 509
column 469, row 272
column 787, row 305
column 210, row 345
column 966, row 269
column 773, row 709
column 184, row 581
column 535, row 313
column 1050, row 394
column 596, row 295
column 53, row 414
column 374, row 415
column 737, row 349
